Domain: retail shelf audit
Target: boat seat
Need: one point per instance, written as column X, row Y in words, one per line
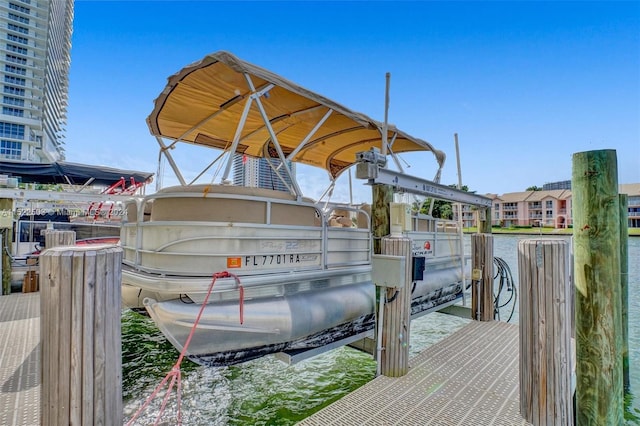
column 146, row 216
column 208, row 210
column 205, row 189
column 131, row 210
column 340, row 221
column 423, row 225
column 216, row 209
column 447, row 227
column 290, row 214
column 363, row 219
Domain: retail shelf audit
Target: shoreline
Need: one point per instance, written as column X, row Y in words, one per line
column 633, row 232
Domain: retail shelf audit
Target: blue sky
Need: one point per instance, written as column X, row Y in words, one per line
column 524, row 84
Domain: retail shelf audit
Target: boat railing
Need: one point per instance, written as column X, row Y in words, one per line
column 249, row 231
column 348, row 238
column 440, row 238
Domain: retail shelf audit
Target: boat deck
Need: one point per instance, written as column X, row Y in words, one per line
column 20, row 359
column 469, row 378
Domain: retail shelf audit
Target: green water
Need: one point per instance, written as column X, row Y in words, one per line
column 260, row 392
column 269, row 392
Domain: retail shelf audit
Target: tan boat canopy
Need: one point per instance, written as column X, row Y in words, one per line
column 226, row 103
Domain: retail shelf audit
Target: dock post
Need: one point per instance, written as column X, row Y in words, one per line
column 624, row 287
column 55, row 238
column 6, row 208
column 396, row 326
column 482, row 306
column 596, row 234
column 382, row 197
column 546, row 397
column 484, row 220
column 81, row 354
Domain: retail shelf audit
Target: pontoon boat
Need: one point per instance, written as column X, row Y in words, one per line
column 303, row 266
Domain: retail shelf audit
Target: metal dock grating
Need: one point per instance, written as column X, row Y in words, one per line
column 469, row 378
column 20, row 359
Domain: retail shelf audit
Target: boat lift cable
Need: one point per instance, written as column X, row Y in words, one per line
column 175, row 374
column 504, row 283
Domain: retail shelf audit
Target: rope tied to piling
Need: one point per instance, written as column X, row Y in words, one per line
column 175, row 374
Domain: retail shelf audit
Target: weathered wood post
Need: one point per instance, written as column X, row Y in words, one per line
column 81, row 357
column 546, row 397
column 397, row 313
column 484, row 220
column 482, row 306
column 6, row 208
column 56, row 238
column 380, row 214
column 596, row 233
column 624, row 286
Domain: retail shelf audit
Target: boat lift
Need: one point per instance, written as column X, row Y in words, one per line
column 371, row 167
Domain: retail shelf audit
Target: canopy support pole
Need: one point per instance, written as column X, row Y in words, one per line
column 207, row 168
column 309, row 136
column 275, row 170
column 274, row 139
column 460, row 223
column 385, row 127
column 164, row 150
column 236, row 138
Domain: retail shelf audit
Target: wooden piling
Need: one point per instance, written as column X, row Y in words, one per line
column 397, row 313
column 624, row 287
column 380, row 214
column 6, row 207
column 484, row 220
column 596, row 233
column 56, row 238
column 545, row 332
column 81, row 375
column 482, row 306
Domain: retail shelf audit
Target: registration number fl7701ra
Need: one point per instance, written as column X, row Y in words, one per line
column 269, row 260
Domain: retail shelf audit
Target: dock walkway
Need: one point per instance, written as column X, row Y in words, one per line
column 20, row 359
column 469, row 378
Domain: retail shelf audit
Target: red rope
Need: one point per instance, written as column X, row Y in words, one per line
column 175, row 374
column 241, row 303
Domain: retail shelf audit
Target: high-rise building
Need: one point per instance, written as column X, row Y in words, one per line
column 35, row 55
column 256, row 172
column 563, row 184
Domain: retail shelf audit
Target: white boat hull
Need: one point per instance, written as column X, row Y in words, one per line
column 301, row 315
column 301, row 320
column 306, row 278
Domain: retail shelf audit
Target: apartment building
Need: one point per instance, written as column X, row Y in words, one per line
column 551, row 208
column 468, row 215
column 35, row 56
column 633, row 193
